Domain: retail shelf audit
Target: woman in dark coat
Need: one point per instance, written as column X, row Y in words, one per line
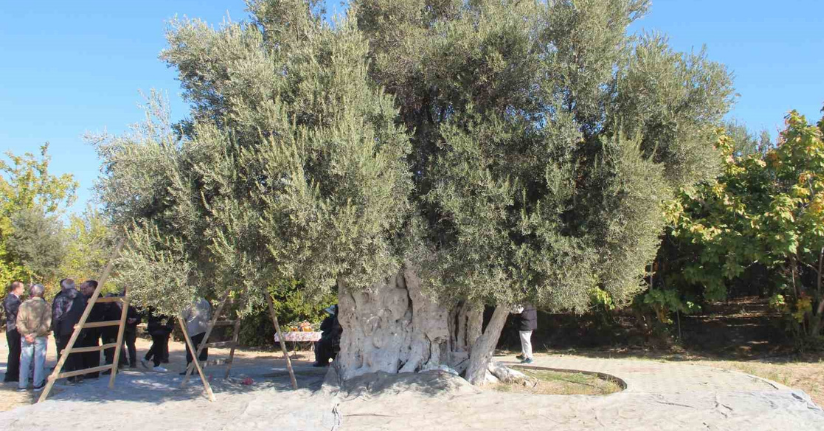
column 527, row 321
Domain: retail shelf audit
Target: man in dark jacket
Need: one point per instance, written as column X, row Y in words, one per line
column 130, row 334
column 527, row 322
column 11, row 305
column 111, row 311
column 91, row 337
column 67, row 309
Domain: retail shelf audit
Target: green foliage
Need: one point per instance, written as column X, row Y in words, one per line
column 767, row 208
column 291, row 303
column 290, row 168
column 545, row 140
column 524, row 153
column 36, row 242
column 667, row 301
column 89, row 246
column 30, row 200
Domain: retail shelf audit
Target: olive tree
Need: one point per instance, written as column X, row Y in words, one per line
column 545, row 138
column 427, row 158
column 291, row 165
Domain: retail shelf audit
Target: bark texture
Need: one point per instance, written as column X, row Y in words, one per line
column 485, row 346
column 395, row 328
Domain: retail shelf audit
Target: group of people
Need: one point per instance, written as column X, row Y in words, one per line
column 29, row 323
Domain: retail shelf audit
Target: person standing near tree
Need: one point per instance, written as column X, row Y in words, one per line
column 130, row 333
column 197, row 317
column 527, row 321
column 34, row 323
column 91, row 337
column 111, row 312
column 160, row 328
column 67, row 309
column 12, row 304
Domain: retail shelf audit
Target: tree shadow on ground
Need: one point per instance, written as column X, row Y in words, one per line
column 429, row 383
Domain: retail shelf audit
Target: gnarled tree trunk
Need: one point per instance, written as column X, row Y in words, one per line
column 485, row 346
column 393, row 327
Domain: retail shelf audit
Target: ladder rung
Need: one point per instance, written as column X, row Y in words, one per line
column 220, row 344
column 83, row 372
column 225, row 323
column 91, row 348
column 101, row 324
column 109, row 299
column 216, row 362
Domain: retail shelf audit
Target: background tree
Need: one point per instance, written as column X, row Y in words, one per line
column 37, row 242
column 89, row 243
column 765, row 210
column 32, row 196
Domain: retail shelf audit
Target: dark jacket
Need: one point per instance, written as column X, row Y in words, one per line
column 159, row 325
column 331, row 330
column 11, row 305
column 90, row 337
column 132, row 313
column 67, row 309
column 528, row 319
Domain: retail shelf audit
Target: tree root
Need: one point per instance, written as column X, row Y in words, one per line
column 507, row 375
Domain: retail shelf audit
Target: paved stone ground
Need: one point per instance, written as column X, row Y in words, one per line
column 659, row 377
column 659, row 396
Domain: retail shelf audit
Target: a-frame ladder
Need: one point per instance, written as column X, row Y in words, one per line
column 81, row 325
column 232, row 345
column 215, row 321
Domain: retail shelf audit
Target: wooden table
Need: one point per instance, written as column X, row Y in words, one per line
column 297, row 337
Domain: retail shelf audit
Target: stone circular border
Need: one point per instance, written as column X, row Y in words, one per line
column 602, row 376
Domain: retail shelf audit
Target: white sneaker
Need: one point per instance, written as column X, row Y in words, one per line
column 159, row 369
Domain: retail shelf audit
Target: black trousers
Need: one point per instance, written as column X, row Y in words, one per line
column 89, row 338
column 159, row 345
column 204, row 354
column 325, row 349
column 166, row 349
column 129, row 338
column 13, row 364
column 74, row 361
column 110, row 337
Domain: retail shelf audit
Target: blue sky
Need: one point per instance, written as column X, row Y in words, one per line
column 71, row 67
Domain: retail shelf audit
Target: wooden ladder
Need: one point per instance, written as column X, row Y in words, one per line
column 81, row 325
column 232, row 345
column 196, row 364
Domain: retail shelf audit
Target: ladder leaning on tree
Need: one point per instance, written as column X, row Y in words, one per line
column 96, row 299
column 81, row 325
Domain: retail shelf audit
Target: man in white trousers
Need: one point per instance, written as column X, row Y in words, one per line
column 527, row 321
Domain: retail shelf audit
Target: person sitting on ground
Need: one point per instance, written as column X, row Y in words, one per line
column 197, row 317
column 67, row 309
column 329, row 345
column 12, row 304
column 527, row 321
column 160, row 328
column 34, row 323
